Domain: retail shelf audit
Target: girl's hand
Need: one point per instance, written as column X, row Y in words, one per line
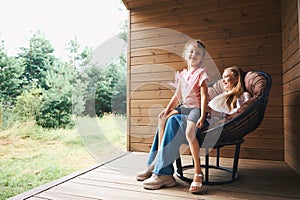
column 200, row 123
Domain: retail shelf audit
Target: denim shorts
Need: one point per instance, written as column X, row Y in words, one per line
column 193, row 114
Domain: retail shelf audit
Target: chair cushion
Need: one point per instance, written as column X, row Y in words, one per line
column 255, row 83
column 216, row 89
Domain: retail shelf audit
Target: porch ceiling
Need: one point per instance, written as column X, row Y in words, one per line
column 133, row 4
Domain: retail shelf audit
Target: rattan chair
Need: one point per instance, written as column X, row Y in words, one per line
column 231, row 130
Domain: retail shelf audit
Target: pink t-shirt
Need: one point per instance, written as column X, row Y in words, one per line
column 190, row 82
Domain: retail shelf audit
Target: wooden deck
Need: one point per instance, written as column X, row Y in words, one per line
column 258, row 179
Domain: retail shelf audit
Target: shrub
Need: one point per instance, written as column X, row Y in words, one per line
column 28, row 104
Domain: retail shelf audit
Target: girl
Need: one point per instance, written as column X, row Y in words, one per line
column 192, row 95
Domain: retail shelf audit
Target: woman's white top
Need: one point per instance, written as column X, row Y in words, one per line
column 218, row 103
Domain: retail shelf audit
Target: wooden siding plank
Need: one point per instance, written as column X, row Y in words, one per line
column 240, row 60
column 186, row 7
column 222, row 51
column 292, row 74
column 272, row 69
column 288, row 10
column 291, row 100
column 163, row 94
column 152, row 110
column 159, row 50
column 145, row 134
column 205, row 24
column 151, row 77
column 292, row 87
column 148, row 103
column 261, row 153
column 152, row 86
column 292, row 61
column 149, row 68
column 225, row 31
column 248, row 60
column 292, row 48
column 251, row 143
column 290, row 31
column 162, row 42
column 156, row 59
column 152, row 120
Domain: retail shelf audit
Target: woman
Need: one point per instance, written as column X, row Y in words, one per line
column 234, row 95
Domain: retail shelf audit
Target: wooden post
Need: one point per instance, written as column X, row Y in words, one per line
column 299, row 22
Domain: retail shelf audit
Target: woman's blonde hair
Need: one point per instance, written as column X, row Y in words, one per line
column 195, row 42
column 238, row 88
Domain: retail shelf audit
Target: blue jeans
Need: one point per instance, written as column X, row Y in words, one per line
column 173, row 137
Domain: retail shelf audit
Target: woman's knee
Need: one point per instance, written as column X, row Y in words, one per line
column 173, row 124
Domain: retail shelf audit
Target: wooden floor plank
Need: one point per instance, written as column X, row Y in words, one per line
column 258, row 179
column 54, row 195
column 38, row 198
column 106, row 191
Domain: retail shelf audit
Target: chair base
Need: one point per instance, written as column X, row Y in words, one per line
column 232, row 171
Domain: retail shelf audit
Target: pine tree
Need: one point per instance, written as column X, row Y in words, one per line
column 38, row 58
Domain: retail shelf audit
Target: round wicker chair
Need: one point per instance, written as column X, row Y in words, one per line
column 232, row 129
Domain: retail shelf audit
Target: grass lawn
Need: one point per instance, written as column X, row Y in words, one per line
column 31, row 156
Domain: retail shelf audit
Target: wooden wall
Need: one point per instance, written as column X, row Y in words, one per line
column 291, row 81
column 245, row 33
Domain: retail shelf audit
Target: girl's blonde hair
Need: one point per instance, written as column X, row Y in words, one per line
column 238, row 88
column 195, row 42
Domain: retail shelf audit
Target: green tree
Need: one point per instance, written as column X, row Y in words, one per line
column 38, row 58
column 106, row 87
column 106, row 90
column 118, row 102
column 78, row 58
column 11, row 70
column 93, row 75
column 56, row 106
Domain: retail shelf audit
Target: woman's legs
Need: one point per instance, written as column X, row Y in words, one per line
column 162, row 158
column 169, row 151
column 151, row 160
column 154, row 149
column 173, row 137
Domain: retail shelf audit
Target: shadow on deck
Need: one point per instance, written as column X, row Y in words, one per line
column 258, row 179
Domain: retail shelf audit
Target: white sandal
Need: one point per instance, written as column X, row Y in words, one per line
column 196, row 184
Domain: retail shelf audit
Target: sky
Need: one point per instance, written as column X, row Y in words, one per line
column 91, row 21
